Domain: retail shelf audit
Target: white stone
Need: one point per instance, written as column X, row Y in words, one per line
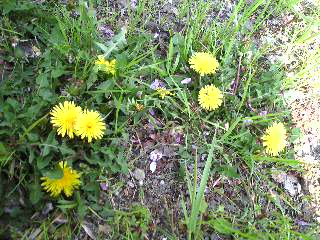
column 153, row 166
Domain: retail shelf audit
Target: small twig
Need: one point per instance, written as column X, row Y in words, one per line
column 96, row 214
column 27, row 131
column 236, row 83
column 139, row 141
column 216, row 182
column 250, row 106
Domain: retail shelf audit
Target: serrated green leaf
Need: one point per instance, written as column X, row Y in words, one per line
column 106, row 85
column 117, row 42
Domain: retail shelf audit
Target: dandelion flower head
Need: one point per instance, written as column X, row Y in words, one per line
column 105, row 65
column 204, row 63
column 210, row 97
column 162, row 92
column 90, row 125
column 67, row 184
column 110, row 67
column 139, row 107
column 275, row 139
column 101, row 61
column 64, row 116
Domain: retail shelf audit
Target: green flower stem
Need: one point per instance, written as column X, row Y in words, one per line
column 33, row 125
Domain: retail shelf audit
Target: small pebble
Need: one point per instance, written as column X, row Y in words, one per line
column 48, row 208
column 130, row 184
column 104, row 186
column 186, row 81
column 153, row 166
column 141, row 182
column 156, row 155
column 139, row 174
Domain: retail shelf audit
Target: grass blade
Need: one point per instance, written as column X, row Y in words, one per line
column 196, row 205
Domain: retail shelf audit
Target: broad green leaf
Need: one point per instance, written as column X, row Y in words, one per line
column 91, row 80
column 56, row 173
column 13, row 103
column 65, row 204
column 51, row 141
column 31, row 154
column 8, row 6
column 46, row 94
column 203, row 206
column 82, row 208
column 3, row 149
column 295, row 134
column 33, row 137
column 229, row 171
column 42, row 162
column 42, row 80
column 35, row 193
column 222, row 226
column 58, row 71
column 65, row 150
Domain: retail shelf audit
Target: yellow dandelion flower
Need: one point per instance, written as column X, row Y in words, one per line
column 63, row 116
column 275, row 139
column 210, row 97
column 68, row 183
column 204, row 63
column 111, row 67
column 90, row 125
column 106, row 66
column 139, row 107
column 101, row 61
column 164, row 92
